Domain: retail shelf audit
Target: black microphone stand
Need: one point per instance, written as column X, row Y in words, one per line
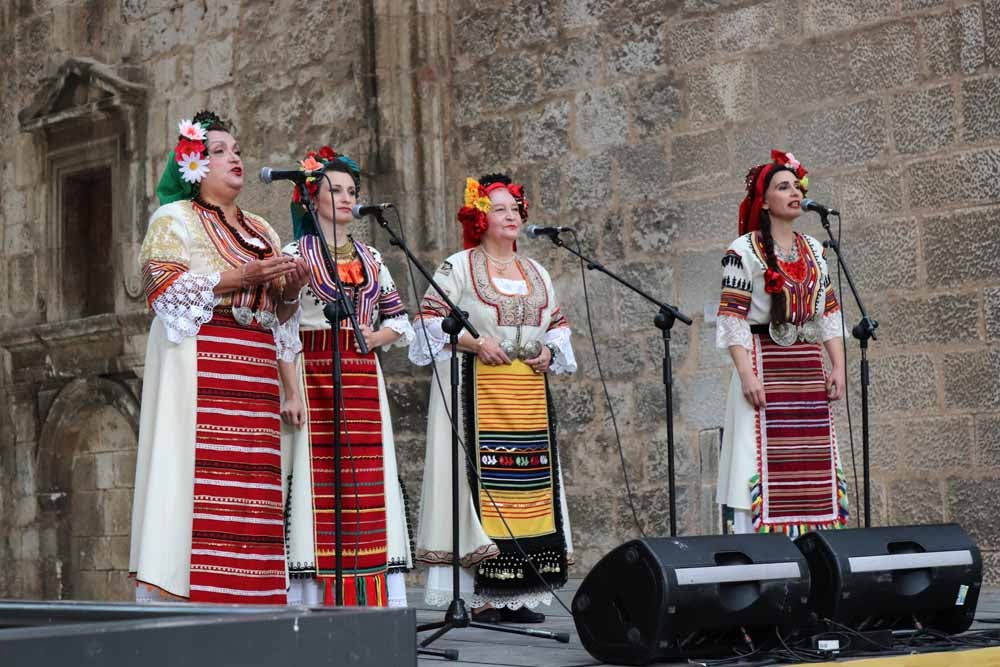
column 664, row 321
column 457, row 615
column 335, row 311
column 863, row 330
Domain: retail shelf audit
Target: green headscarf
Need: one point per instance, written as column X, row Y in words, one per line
column 172, row 187
column 191, row 139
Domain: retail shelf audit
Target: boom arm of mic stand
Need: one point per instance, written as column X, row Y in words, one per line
column 343, row 303
column 666, row 308
column 664, row 321
column 456, row 313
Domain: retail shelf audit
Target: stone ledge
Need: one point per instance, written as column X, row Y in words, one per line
column 81, row 330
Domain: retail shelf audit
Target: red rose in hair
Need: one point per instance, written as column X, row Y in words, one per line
column 472, row 218
column 773, row 281
column 327, row 153
column 188, row 146
column 517, row 191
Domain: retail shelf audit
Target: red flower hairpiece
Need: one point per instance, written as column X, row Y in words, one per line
column 788, row 160
column 773, row 281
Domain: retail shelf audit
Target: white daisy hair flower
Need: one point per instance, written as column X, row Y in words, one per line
column 193, row 167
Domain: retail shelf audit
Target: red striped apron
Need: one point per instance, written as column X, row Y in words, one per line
column 237, row 531
column 363, row 514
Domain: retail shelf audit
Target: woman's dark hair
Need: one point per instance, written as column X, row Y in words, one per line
column 778, row 305
column 337, row 165
column 212, row 122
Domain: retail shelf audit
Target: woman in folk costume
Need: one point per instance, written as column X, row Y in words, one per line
column 207, row 520
column 780, row 469
column 509, row 434
column 376, row 539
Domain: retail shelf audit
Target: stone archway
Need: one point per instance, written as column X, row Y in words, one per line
column 86, row 468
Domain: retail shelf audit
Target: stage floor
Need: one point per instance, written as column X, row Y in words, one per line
column 484, row 648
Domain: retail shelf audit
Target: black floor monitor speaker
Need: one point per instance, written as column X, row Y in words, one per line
column 670, row 598
column 894, row 578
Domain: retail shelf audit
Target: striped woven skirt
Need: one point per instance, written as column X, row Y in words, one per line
column 515, row 481
column 237, row 531
column 798, row 486
column 363, row 512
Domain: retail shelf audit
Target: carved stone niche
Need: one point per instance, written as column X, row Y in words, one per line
column 86, row 464
column 89, row 120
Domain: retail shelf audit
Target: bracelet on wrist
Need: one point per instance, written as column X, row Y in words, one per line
column 289, row 302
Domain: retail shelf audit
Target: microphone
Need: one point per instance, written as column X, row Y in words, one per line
column 810, row 205
column 268, row 175
column 361, row 210
column 534, row 231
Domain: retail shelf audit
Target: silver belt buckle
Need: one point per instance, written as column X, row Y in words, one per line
column 243, row 315
column 267, row 319
column 784, row 335
column 809, row 332
column 788, row 334
column 529, row 350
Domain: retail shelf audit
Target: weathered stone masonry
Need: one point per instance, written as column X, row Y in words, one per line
column 632, row 120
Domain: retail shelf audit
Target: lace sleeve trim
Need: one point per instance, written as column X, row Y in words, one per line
column 429, row 343
column 832, row 325
column 565, row 360
column 731, row 330
column 286, row 337
column 187, row 304
column 402, row 326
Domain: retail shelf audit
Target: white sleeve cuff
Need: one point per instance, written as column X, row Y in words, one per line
column 402, row 326
column 286, row 337
column 187, row 304
column 832, row 325
column 565, row 360
column 430, row 342
column 731, row 330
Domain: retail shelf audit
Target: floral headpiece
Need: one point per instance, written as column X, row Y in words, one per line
column 477, row 204
column 756, row 183
column 316, row 161
column 188, row 163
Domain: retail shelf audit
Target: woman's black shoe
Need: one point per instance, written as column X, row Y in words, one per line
column 522, row 615
column 491, row 615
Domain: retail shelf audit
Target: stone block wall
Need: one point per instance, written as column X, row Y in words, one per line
column 633, row 121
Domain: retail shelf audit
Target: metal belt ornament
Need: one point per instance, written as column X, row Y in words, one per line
column 787, row 334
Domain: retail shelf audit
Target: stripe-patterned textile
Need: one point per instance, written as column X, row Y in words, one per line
column 366, row 295
column 158, row 276
column 237, row 531
column 798, row 486
column 736, row 286
column 363, row 513
column 515, row 488
column 804, row 286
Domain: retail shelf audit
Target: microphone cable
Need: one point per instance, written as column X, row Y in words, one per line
column 847, row 392
column 604, row 387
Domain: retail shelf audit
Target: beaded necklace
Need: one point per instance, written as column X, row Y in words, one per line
column 259, row 251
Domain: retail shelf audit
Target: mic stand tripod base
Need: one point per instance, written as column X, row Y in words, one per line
column 458, row 615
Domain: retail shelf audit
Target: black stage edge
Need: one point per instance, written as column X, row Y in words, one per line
column 189, row 635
